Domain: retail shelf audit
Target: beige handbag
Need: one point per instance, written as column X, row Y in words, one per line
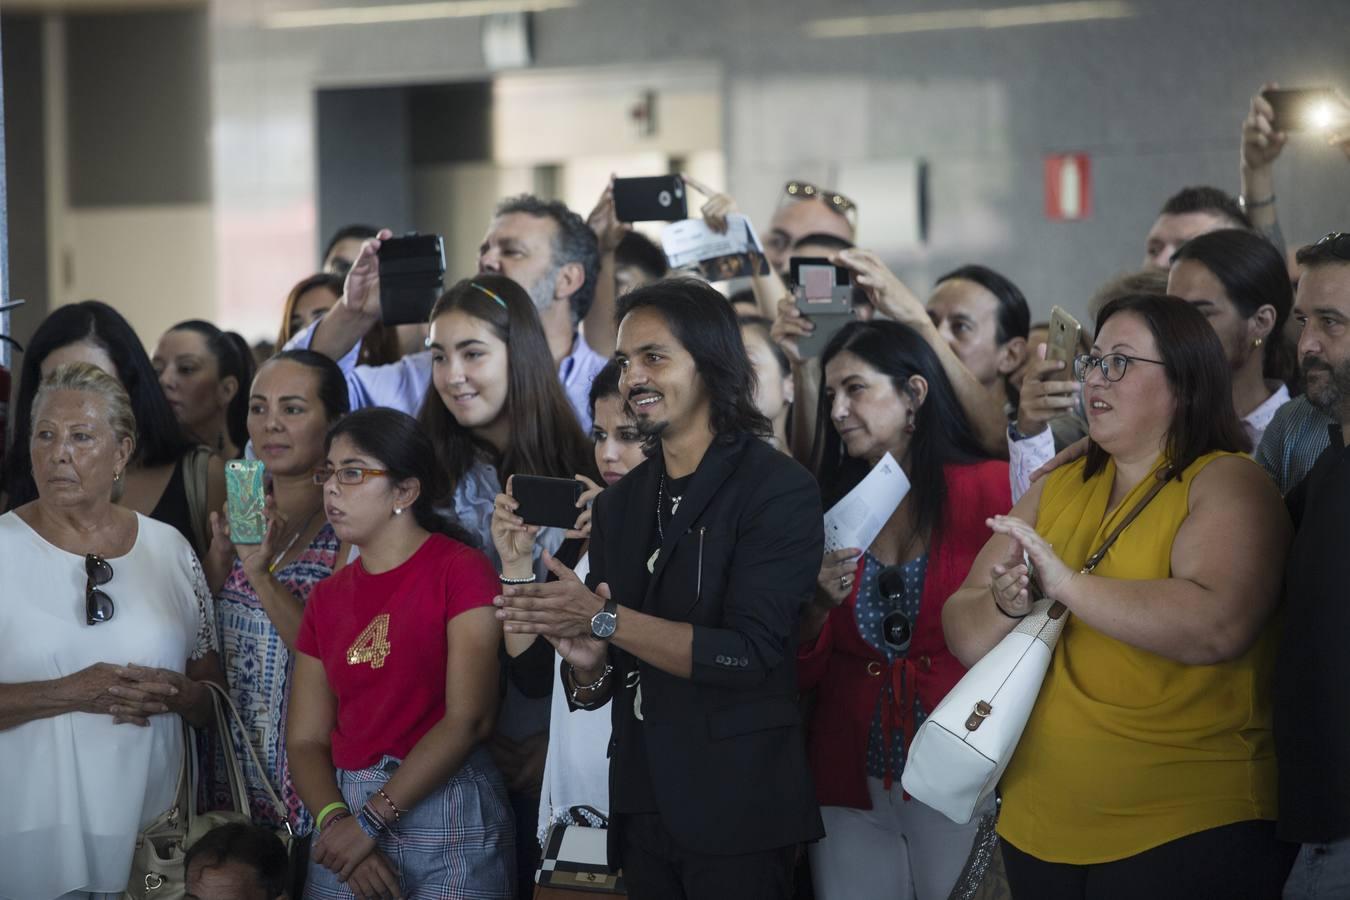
column 158, row 865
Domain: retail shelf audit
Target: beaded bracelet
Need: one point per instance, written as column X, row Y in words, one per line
column 398, row 813
column 504, row 580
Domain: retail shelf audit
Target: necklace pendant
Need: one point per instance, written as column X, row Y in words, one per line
column 651, row 561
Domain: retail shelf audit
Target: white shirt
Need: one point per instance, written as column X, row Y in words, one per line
column 1029, row 454
column 576, row 770
column 77, row 787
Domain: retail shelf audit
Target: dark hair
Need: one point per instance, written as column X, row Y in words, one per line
column 1205, row 199
column 234, row 359
column 1253, row 274
column 347, row 233
column 605, row 384
column 636, row 249
column 1334, row 249
column 378, row 347
column 1197, row 372
column 764, row 326
column 332, row 383
column 250, row 845
column 942, row 433
column 1014, row 316
column 705, row 325
column 546, row 438
column 404, row 451
column 159, row 437
column 573, row 242
column 821, row 239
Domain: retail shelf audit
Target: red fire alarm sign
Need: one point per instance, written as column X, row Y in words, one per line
column 1068, row 187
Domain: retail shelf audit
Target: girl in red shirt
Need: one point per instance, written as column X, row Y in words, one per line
column 395, row 685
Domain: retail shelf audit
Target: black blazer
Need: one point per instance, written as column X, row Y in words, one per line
column 725, row 747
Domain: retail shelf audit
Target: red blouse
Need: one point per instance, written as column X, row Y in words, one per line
column 847, row 673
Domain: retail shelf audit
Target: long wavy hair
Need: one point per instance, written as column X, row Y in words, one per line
column 706, row 326
column 942, row 433
column 545, row 436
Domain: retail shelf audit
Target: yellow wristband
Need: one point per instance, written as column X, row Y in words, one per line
column 328, row 811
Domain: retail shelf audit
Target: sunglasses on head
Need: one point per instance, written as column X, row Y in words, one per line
column 1338, row 242
column 805, row 190
column 896, row 628
column 98, row 606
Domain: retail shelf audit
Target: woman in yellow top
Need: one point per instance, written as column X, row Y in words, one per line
column 1147, row 768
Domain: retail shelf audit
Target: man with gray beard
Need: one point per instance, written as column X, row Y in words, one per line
column 541, row 245
column 1312, row 675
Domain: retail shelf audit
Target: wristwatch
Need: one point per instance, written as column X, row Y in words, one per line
column 606, row 620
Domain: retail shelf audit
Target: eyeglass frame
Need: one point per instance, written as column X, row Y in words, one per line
column 323, row 475
column 1084, row 363
column 94, row 566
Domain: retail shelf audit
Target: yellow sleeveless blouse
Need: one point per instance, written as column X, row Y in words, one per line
column 1126, row 750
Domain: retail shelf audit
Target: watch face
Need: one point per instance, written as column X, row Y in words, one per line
column 602, row 624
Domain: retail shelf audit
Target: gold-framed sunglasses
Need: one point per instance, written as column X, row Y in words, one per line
column 805, row 190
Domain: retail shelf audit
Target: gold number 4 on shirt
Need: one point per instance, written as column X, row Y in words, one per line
column 372, row 644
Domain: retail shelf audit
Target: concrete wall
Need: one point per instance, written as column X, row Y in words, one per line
column 1156, row 100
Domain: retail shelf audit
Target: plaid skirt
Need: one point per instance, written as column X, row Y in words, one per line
column 459, row 842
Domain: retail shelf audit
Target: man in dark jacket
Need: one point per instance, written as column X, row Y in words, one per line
column 701, row 559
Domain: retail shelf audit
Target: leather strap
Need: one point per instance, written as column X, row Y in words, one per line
column 1161, row 478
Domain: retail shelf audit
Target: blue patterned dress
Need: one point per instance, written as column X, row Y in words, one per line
column 258, row 669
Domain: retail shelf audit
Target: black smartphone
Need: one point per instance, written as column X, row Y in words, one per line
column 824, row 294
column 660, row 198
column 547, row 501
column 412, row 270
column 1306, row 109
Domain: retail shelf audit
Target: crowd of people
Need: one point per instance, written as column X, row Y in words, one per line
column 428, row 683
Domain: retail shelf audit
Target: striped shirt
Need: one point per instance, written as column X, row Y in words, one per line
column 1295, row 437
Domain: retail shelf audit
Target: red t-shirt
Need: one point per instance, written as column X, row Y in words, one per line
column 381, row 639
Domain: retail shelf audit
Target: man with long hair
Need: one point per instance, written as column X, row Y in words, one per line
column 701, row 559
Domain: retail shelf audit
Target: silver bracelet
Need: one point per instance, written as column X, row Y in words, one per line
column 1248, row 203
column 504, row 580
column 594, row 686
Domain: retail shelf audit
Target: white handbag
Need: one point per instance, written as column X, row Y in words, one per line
column 960, row 751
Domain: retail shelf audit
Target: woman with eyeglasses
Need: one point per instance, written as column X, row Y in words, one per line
column 1147, row 768
column 395, row 684
column 576, row 770
column 295, row 398
column 106, row 631
column 872, row 648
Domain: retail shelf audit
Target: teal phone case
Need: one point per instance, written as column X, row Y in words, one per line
column 245, row 499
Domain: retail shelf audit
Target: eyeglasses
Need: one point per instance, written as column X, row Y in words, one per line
column 1113, row 365
column 896, row 628
column 1338, row 242
column 98, row 606
column 346, row 474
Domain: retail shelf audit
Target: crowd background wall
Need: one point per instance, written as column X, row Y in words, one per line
column 194, row 158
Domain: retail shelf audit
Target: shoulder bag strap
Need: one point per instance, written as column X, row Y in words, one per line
column 1160, row 481
column 227, row 715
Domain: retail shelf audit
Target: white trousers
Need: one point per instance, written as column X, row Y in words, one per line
column 898, row 850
